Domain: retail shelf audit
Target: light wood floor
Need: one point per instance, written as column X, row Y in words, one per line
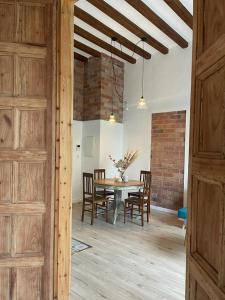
column 128, row 262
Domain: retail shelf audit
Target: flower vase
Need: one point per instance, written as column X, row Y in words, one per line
column 122, row 176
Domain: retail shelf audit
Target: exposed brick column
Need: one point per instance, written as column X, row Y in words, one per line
column 94, row 102
column 92, row 89
column 167, row 162
column 78, row 90
column 107, row 83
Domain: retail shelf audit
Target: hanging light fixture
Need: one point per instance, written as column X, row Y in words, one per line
column 112, row 118
column 115, row 91
column 142, row 103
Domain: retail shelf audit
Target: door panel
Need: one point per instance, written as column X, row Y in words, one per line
column 32, row 132
column 7, row 21
column 33, row 76
column 206, row 204
column 207, row 223
column 211, row 86
column 210, row 24
column 5, row 229
column 6, row 128
column 32, row 275
column 213, row 21
column 32, row 23
column 200, row 293
column 6, row 78
column 6, row 182
column 5, row 283
column 26, row 149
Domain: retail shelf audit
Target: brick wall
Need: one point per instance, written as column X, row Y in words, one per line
column 167, row 161
column 111, row 86
column 92, row 89
column 98, row 90
column 78, row 90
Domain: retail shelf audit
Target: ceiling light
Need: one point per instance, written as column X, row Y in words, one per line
column 142, row 103
column 112, row 118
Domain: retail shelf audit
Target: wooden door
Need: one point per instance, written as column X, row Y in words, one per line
column 27, row 106
column 167, row 159
column 206, row 228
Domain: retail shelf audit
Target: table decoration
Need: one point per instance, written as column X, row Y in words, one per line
column 122, row 164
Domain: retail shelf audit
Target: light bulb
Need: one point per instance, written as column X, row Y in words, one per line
column 142, row 103
column 112, row 118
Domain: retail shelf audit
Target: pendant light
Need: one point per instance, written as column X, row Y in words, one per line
column 142, row 103
column 112, row 118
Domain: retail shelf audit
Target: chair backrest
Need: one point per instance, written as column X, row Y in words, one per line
column 88, row 184
column 147, row 179
column 99, row 174
column 143, row 174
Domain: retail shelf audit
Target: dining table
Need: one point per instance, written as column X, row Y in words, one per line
column 118, row 187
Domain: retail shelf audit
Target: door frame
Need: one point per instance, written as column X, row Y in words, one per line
column 63, row 147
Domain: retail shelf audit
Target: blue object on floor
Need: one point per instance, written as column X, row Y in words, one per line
column 182, row 213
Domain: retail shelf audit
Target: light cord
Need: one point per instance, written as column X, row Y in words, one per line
column 143, row 71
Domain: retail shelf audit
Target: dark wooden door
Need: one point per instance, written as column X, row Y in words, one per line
column 167, row 159
column 26, row 149
column 206, row 205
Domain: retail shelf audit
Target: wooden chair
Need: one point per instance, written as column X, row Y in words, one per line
column 100, row 174
column 141, row 200
column 91, row 199
column 142, row 177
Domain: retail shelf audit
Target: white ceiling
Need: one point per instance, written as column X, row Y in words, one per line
column 158, row 6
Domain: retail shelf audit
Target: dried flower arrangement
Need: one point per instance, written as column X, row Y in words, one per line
column 123, row 164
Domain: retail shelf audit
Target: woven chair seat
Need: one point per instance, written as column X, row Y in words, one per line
column 105, row 193
column 135, row 194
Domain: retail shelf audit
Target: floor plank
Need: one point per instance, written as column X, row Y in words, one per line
column 128, row 262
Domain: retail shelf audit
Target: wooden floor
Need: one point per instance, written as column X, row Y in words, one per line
column 128, row 262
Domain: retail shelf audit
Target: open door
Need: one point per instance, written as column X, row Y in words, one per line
column 206, row 228
column 36, row 76
column 27, row 139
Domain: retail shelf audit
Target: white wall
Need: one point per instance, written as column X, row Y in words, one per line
column 167, row 87
column 77, row 160
column 111, row 143
column 107, row 138
column 91, row 129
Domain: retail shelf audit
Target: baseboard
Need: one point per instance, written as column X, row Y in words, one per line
column 167, row 210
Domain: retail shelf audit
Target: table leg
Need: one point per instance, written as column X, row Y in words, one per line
column 113, row 214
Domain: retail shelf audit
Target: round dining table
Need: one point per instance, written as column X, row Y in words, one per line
column 118, row 187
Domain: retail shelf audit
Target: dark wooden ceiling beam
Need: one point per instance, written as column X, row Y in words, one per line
column 181, row 11
column 129, row 25
column 95, row 40
column 84, row 16
column 86, row 49
column 149, row 14
column 80, row 57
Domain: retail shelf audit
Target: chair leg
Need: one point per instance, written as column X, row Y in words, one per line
column 92, row 213
column 142, row 215
column 148, row 211
column 132, row 210
column 106, row 211
column 83, row 206
column 96, row 210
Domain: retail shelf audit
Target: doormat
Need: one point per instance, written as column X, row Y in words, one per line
column 78, row 246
